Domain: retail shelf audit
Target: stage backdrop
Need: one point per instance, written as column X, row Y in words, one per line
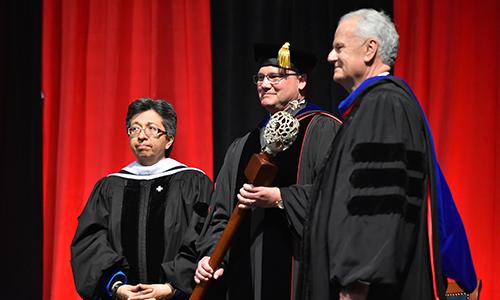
column 98, row 56
column 449, row 54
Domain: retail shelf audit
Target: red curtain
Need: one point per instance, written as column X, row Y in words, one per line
column 449, row 55
column 98, row 56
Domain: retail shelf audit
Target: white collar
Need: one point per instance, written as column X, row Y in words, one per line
column 160, row 167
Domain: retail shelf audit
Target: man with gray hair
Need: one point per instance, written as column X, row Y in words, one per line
column 382, row 223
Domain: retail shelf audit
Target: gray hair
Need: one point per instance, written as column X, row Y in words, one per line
column 378, row 25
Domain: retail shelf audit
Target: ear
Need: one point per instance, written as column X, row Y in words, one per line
column 302, row 81
column 371, row 50
column 170, row 141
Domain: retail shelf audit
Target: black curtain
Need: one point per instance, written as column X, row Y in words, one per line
column 237, row 25
column 21, row 148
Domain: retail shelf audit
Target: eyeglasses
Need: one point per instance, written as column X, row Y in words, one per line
column 149, row 131
column 273, row 78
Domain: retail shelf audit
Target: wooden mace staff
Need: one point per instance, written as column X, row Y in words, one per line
column 260, row 171
column 279, row 134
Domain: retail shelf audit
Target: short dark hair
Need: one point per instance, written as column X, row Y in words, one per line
column 160, row 106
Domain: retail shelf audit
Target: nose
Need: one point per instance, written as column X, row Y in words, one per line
column 332, row 57
column 266, row 83
column 142, row 135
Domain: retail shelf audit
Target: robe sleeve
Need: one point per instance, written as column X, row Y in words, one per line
column 195, row 191
column 91, row 253
column 381, row 185
column 317, row 141
column 222, row 200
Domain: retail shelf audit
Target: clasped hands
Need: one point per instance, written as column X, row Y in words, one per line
column 144, row 292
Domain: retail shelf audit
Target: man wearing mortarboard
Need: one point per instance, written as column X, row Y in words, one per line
column 263, row 259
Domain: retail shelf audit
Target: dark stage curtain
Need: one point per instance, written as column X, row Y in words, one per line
column 237, row 25
column 20, row 149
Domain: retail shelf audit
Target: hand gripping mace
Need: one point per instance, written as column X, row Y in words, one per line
column 279, row 134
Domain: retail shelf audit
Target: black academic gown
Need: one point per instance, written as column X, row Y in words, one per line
column 263, row 259
column 368, row 217
column 137, row 225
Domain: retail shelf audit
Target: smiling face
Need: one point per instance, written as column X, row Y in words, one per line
column 348, row 56
column 149, row 150
column 274, row 97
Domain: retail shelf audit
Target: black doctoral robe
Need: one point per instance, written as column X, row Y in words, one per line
column 374, row 202
column 135, row 224
column 263, row 259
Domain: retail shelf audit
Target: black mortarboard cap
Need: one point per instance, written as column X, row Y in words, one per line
column 290, row 58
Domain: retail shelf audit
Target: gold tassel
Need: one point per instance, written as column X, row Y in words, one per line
column 284, row 56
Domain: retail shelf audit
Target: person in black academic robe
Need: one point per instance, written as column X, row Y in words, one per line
column 135, row 220
column 263, row 259
column 372, row 228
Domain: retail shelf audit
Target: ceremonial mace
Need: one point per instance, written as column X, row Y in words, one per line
column 279, row 135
